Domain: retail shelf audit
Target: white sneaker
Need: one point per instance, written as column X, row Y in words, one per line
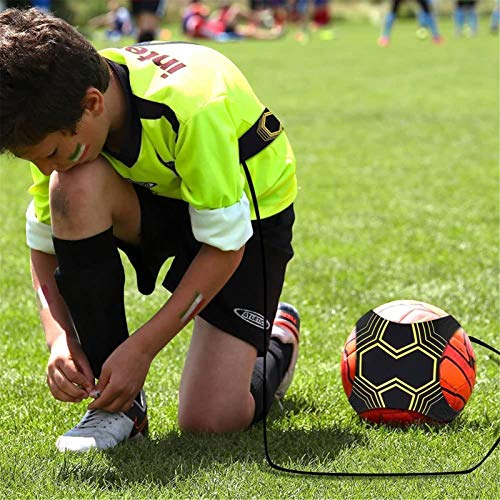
column 286, row 328
column 101, row 429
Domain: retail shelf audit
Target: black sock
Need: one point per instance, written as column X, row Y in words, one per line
column 277, row 361
column 91, row 280
column 146, row 36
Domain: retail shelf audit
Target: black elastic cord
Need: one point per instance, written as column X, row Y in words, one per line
column 264, row 290
column 484, row 344
column 264, row 420
column 379, row 474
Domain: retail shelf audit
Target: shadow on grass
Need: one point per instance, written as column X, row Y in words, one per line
column 175, row 458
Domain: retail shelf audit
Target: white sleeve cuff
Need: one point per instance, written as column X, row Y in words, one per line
column 38, row 234
column 227, row 228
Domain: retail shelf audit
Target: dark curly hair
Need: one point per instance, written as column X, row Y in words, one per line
column 46, row 66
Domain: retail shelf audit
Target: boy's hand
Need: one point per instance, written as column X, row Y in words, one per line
column 122, row 377
column 69, row 375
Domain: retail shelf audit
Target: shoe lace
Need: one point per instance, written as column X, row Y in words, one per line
column 92, row 419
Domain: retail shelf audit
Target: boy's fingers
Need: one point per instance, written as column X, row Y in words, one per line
column 105, row 400
column 120, row 403
column 75, row 379
column 63, row 390
column 113, row 400
column 101, row 392
column 83, row 366
column 103, row 381
column 87, row 372
column 80, row 380
column 67, row 379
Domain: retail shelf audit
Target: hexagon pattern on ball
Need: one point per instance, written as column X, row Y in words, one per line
column 406, row 362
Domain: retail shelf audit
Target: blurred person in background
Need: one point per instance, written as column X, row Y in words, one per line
column 261, row 13
column 311, row 15
column 117, row 21
column 427, row 20
column 495, row 17
column 279, row 11
column 321, row 15
column 300, row 16
column 147, row 15
column 465, row 17
column 228, row 22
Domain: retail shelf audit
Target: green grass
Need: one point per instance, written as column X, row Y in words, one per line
column 399, row 198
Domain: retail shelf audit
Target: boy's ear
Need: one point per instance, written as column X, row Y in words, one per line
column 93, row 101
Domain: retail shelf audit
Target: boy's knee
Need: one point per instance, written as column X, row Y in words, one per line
column 88, row 189
column 201, row 422
column 72, row 190
column 190, row 422
column 212, row 420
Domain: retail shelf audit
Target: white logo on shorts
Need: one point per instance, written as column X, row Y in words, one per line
column 251, row 317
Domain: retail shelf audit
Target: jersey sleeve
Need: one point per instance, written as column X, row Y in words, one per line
column 38, row 228
column 212, row 182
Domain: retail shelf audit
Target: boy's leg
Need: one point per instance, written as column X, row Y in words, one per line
column 91, row 204
column 432, row 25
column 214, row 394
column 459, row 18
column 222, row 382
column 281, row 358
column 389, row 21
column 383, row 40
column 495, row 18
column 429, row 20
column 472, row 19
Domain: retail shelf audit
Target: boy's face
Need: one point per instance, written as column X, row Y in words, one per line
column 63, row 150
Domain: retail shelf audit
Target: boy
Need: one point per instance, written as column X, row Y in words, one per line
column 148, row 14
column 426, row 19
column 144, row 148
column 495, row 17
column 116, row 20
column 223, row 24
column 465, row 17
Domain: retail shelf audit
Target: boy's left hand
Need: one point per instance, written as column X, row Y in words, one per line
column 122, row 377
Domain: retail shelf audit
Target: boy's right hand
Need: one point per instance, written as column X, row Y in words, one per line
column 69, row 375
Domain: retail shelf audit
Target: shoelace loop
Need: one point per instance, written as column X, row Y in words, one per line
column 91, row 420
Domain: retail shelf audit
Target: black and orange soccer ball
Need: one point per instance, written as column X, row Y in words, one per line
column 407, row 362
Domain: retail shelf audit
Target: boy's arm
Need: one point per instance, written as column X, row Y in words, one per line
column 68, row 366
column 207, row 274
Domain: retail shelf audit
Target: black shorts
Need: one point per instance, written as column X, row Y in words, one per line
column 154, row 6
column 259, row 4
column 238, row 308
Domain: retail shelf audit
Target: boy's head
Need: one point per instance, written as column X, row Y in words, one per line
column 46, row 69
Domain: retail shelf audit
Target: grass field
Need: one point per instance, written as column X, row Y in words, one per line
column 399, row 198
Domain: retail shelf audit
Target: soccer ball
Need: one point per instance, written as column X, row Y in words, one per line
column 422, row 33
column 407, row 362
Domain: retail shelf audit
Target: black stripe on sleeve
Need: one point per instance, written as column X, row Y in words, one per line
column 151, row 110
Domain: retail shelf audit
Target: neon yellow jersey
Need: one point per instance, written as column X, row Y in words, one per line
column 187, row 107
